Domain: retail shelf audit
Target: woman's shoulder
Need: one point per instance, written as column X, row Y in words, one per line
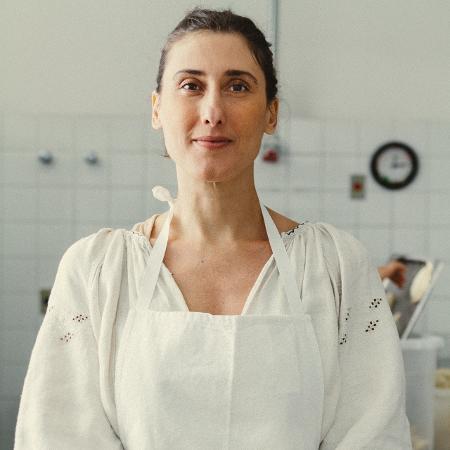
column 329, row 235
column 337, row 245
column 91, row 249
column 334, row 237
column 341, row 251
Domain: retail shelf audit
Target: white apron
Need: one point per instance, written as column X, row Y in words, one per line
column 194, row 380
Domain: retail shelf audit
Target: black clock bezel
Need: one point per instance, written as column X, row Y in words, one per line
column 394, row 185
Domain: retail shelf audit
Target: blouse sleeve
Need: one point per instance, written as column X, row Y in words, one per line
column 370, row 412
column 60, row 405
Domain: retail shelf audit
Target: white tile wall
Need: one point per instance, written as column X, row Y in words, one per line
column 20, row 203
column 44, row 209
column 340, row 137
column 92, row 205
column 52, row 237
column 413, row 241
column 440, row 242
column 376, row 210
column 55, row 204
column 8, row 413
column 440, row 314
column 19, row 239
column 92, row 133
column 20, row 132
column 404, row 215
column 126, row 205
column 98, row 174
column 305, row 172
column 16, row 354
column 304, row 135
column 442, row 284
column 85, row 229
column 373, row 134
column 339, row 209
column 128, row 134
column 439, row 134
column 128, row 169
column 269, row 175
column 338, row 171
column 56, row 133
column 305, row 206
column 378, row 241
column 19, row 168
column 26, row 317
column 278, row 198
column 48, row 265
column 439, row 173
column 160, row 170
column 439, row 208
column 60, row 173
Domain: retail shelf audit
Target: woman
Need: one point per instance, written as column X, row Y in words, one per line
column 219, row 324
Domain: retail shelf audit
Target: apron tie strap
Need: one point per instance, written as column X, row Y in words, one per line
column 161, row 193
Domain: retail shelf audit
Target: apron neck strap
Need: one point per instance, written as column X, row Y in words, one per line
column 291, row 287
column 286, row 272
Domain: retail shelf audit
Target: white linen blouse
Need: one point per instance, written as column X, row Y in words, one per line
column 68, row 394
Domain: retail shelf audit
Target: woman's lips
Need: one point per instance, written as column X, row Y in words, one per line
column 212, row 144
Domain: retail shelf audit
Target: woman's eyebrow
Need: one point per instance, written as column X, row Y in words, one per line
column 228, row 73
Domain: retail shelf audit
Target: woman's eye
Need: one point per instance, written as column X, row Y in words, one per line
column 188, row 84
column 236, row 87
column 240, row 85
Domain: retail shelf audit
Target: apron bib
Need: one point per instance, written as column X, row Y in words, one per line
column 194, row 381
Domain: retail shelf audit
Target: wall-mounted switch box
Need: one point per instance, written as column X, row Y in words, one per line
column 358, row 186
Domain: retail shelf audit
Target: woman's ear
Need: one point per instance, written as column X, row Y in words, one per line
column 272, row 116
column 156, row 123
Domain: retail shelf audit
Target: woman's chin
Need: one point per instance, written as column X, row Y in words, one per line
column 212, row 173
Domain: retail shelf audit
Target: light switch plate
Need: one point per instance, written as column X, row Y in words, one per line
column 358, row 186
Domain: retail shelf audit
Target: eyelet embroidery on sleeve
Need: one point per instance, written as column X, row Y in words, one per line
column 343, row 338
column 67, row 337
column 68, row 325
column 80, row 317
column 372, row 325
column 374, row 303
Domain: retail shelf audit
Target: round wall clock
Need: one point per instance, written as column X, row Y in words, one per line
column 394, row 165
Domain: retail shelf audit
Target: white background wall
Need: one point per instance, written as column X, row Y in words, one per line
column 77, row 77
column 346, row 59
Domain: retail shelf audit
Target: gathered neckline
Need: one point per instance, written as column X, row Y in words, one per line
column 285, row 235
column 295, row 230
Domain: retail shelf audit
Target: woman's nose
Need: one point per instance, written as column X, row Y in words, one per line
column 212, row 109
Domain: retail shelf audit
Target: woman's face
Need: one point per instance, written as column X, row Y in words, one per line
column 213, row 86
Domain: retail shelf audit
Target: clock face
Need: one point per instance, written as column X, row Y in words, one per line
column 394, row 165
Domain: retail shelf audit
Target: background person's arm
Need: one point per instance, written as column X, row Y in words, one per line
column 395, row 271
